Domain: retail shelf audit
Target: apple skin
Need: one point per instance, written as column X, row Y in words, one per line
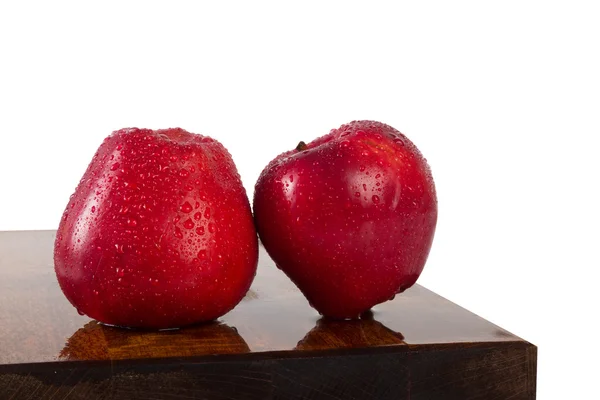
column 159, row 232
column 349, row 218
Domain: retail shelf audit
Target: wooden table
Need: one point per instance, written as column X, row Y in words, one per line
column 271, row 346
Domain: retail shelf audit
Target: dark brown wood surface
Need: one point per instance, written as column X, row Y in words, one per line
column 272, row 345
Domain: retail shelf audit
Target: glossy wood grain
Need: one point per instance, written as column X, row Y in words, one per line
column 40, row 331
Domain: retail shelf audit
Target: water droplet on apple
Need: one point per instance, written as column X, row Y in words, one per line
column 115, row 166
column 375, row 199
column 291, row 178
column 200, row 230
column 207, row 213
column 178, row 233
column 357, row 194
column 362, row 168
column 399, row 142
column 188, row 224
column 364, row 187
column 93, row 209
column 197, row 216
column 184, row 173
column 344, row 143
column 202, row 254
column 80, row 312
column 131, row 222
column 211, row 228
column 186, row 207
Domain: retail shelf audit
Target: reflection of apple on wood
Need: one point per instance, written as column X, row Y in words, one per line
column 349, row 217
column 159, row 232
column 336, row 334
column 99, row 342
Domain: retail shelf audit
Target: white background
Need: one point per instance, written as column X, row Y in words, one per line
column 503, row 99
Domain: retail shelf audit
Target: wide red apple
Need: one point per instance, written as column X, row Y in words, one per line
column 349, row 217
column 159, row 232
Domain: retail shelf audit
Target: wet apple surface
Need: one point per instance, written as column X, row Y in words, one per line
column 158, row 233
column 349, row 217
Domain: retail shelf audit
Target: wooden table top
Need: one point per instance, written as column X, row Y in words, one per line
column 38, row 325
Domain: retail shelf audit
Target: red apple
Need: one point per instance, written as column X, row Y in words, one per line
column 349, row 217
column 159, row 232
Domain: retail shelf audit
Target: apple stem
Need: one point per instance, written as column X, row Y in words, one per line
column 301, row 146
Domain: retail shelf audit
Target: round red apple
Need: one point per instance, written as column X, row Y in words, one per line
column 349, row 217
column 159, row 232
